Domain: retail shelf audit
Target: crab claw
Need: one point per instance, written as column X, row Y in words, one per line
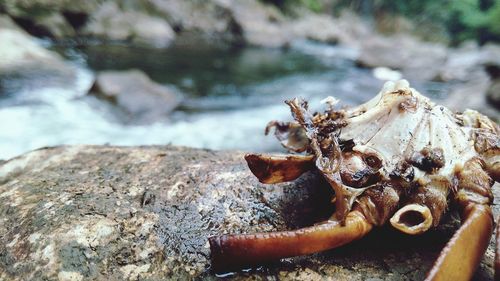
column 231, row 252
column 276, row 169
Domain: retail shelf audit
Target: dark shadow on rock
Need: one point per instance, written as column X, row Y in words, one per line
column 76, row 19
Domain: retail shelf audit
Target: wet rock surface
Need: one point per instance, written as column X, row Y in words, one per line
column 145, row 213
column 136, row 94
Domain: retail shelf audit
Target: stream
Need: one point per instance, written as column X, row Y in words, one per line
column 230, row 94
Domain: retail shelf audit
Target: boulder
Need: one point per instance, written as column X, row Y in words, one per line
column 152, row 22
column 490, row 55
column 352, row 29
column 143, row 100
column 260, row 24
column 31, row 8
column 7, row 23
column 145, row 213
column 54, row 18
column 317, row 27
column 109, row 22
column 493, row 94
column 490, row 60
column 22, row 54
column 414, row 58
column 461, row 62
column 56, row 25
column 474, row 92
column 211, row 18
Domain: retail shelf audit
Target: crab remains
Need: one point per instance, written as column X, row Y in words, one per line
column 398, row 159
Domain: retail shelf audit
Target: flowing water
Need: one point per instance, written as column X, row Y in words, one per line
column 229, row 95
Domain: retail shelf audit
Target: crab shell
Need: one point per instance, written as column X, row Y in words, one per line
column 398, row 150
column 398, row 158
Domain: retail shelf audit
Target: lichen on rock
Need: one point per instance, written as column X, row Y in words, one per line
column 135, row 213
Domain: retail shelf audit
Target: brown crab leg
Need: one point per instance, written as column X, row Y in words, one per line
column 461, row 256
column 497, row 253
column 493, row 168
column 276, row 169
column 229, row 252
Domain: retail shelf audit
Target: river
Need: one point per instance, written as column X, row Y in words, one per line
column 229, row 95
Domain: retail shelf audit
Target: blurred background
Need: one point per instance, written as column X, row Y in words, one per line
column 212, row 73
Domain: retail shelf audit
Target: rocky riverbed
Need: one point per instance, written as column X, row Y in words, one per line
column 145, row 213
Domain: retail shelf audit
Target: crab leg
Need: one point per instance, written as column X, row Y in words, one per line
column 497, row 253
column 276, row 169
column 237, row 251
column 461, row 256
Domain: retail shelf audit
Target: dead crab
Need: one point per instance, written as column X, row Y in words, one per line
column 398, row 158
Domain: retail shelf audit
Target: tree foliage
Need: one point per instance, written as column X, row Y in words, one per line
column 473, row 19
column 464, row 19
column 313, row 5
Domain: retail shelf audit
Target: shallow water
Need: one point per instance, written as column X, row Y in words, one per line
column 229, row 95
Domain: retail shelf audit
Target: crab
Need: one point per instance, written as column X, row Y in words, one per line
column 399, row 159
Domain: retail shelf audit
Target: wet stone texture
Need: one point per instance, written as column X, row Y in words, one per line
column 145, row 213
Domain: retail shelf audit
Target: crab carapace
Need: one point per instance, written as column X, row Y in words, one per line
column 398, row 159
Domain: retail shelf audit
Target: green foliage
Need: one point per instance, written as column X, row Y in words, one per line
column 313, row 5
column 464, row 19
column 471, row 20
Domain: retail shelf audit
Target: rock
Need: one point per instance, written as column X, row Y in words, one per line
column 56, row 25
column 473, row 91
column 52, row 18
column 111, row 23
column 493, row 94
column 152, row 22
column 490, row 60
column 7, row 23
column 209, row 18
column 21, row 53
column 28, row 9
column 416, row 59
column 261, row 25
column 317, row 27
column 352, row 29
column 461, row 62
column 136, row 213
column 143, row 100
column 490, row 55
